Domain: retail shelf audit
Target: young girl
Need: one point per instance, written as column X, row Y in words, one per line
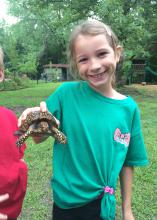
column 13, row 170
column 103, row 130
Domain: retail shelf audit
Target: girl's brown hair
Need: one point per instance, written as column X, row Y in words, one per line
column 93, row 28
column 1, row 59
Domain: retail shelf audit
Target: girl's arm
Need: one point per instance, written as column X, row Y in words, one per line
column 126, row 179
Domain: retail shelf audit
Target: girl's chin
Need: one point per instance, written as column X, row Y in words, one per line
column 96, row 85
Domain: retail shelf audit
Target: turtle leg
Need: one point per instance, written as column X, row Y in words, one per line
column 23, row 138
column 59, row 136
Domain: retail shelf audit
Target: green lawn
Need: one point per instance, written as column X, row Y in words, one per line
column 37, row 205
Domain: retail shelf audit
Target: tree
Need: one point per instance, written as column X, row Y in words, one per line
column 42, row 32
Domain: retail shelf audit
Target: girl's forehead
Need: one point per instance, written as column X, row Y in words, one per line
column 90, row 38
column 90, row 42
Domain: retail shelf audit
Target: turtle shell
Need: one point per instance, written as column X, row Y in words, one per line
column 40, row 123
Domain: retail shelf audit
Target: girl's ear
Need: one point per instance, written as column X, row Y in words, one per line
column 119, row 51
column 1, row 75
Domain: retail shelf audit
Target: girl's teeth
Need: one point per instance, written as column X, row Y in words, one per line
column 98, row 75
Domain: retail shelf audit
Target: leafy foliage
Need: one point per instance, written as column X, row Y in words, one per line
column 43, row 28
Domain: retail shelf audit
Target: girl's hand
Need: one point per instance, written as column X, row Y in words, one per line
column 23, row 116
column 2, row 199
column 3, row 217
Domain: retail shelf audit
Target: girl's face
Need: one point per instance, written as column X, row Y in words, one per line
column 96, row 60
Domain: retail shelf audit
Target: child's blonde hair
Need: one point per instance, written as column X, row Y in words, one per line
column 93, row 28
column 1, row 59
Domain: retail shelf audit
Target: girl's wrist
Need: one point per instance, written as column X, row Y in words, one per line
column 126, row 208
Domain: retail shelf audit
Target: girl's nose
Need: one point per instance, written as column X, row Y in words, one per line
column 95, row 65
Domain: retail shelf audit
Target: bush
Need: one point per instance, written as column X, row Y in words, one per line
column 7, row 74
column 15, row 84
column 18, row 81
column 8, row 85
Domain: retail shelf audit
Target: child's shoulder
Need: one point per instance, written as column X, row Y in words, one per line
column 68, row 85
column 123, row 98
column 127, row 100
column 6, row 112
column 132, row 101
column 131, row 104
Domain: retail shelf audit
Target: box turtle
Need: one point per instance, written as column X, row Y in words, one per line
column 40, row 123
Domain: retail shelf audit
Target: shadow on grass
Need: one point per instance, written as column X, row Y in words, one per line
column 140, row 93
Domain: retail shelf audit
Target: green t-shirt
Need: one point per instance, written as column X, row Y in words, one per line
column 103, row 134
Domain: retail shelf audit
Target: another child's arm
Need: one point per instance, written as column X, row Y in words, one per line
column 2, row 199
column 126, row 179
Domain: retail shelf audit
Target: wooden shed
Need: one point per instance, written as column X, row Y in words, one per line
column 57, row 72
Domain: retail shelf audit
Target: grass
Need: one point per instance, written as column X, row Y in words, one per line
column 38, row 204
column 27, row 97
column 145, row 179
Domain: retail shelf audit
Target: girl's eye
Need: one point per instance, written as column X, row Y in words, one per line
column 82, row 60
column 102, row 54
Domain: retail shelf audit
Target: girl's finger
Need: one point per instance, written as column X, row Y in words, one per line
column 4, row 197
column 3, row 217
column 43, row 106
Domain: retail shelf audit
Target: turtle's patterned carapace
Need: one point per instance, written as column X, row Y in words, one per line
column 39, row 123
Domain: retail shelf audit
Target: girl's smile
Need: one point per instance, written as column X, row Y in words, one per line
column 97, row 76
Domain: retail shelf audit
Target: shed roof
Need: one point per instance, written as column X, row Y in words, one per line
column 58, row 65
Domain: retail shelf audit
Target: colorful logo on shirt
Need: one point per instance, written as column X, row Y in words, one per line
column 122, row 138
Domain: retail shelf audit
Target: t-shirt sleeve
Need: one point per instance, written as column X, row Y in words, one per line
column 54, row 104
column 137, row 154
